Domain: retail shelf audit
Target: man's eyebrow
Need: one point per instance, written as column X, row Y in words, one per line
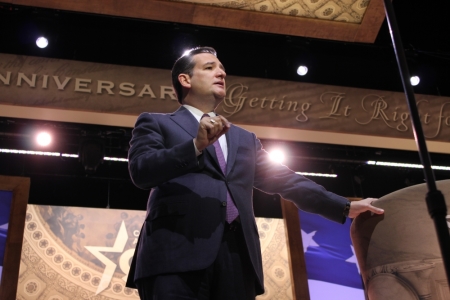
column 213, row 63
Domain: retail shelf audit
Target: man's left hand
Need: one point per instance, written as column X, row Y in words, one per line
column 357, row 207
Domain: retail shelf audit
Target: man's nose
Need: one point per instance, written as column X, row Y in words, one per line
column 221, row 73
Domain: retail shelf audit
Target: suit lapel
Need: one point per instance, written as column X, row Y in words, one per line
column 188, row 123
column 185, row 120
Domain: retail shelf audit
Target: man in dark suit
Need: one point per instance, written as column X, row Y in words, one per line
column 199, row 239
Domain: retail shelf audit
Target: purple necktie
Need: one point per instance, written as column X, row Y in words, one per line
column 232, row 211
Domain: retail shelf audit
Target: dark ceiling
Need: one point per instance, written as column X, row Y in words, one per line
column 84, row 37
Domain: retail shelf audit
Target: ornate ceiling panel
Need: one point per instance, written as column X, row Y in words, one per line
column 351, row 11
column 340, row 20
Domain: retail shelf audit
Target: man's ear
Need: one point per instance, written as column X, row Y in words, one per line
column 185, row 80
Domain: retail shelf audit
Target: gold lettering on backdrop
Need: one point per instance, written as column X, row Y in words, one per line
column 45, row 81
column 378, row 112
column 6, row 80
column 127, row 89
column 335, row 100
column 290, row 103
column 274, row 101
column 303, row 117
column 253, row 102
column 81, row 85
column 402, row 126
column 60, row 85
column 31, row 82
column 147, row 90
column 263, row 103
column 105, row 85
column 235, row 98
column 426, row 116
column 441, row 116
column 169, row 91
column 67, row 84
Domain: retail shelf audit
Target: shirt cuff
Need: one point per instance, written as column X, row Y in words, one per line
column 346, row 209
column 197, row 153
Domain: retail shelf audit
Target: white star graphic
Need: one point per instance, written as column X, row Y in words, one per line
column 307, row 239
column 353, row 259
column 110, row 267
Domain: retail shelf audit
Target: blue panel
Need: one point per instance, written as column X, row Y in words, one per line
column 5, row 208
column 329, row 256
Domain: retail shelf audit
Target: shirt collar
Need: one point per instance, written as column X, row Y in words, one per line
column 197, row 113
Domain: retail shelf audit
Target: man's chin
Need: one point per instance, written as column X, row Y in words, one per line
column 219, row 97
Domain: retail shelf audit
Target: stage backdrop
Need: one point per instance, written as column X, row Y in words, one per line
column 84, row 253
column 116, row 93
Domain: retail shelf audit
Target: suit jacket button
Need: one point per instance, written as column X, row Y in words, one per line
column 224, row 203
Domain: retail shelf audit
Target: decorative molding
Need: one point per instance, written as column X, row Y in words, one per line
column 205, row 15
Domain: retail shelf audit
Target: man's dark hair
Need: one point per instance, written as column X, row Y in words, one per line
column 184, row 65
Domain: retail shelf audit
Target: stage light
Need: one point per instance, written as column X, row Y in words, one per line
column 277, row 156
column 68, row 155
column 43, row 138
column 415, row 80
column 317, row 174
column 115, row 159
column 302, row 70
column 29, row 152
column 404, row 165
column 42, row 42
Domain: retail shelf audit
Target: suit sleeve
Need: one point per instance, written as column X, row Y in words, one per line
column 307, row 195
column 150, row 162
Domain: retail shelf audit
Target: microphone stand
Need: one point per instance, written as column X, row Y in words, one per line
column 434, row 199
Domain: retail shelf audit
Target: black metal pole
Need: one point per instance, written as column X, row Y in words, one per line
column 435, row 200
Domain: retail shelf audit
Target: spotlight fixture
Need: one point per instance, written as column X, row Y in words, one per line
column 404, row 165
column 302, row 70
column 415, row 80
column 317, row 174
column 43, row 139
column 42, row 42
column 277, row 156
column 57, row 154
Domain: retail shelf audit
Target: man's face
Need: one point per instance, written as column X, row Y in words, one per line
column 208, row 77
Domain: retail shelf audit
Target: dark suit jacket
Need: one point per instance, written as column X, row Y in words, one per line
column 187, row 204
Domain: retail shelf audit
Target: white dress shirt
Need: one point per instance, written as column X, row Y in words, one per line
column 198, row 114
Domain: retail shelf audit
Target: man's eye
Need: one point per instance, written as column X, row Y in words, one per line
column 209, row 68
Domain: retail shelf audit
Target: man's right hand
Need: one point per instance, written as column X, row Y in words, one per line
column 210, row 130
